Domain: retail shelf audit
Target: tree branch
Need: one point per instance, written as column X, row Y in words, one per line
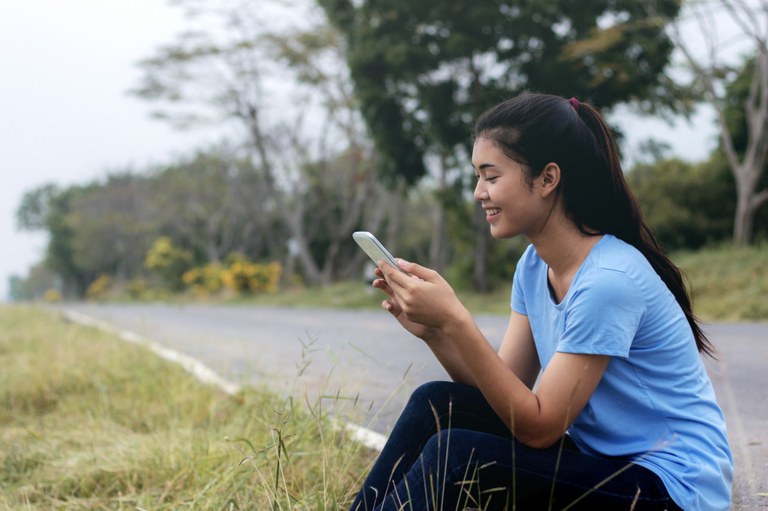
column 759, row 199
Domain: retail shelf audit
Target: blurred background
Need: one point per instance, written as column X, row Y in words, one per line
column 211, row 148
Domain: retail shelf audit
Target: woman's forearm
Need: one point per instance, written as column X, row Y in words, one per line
column 446, row 353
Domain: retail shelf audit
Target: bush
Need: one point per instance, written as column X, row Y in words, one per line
column 204, row 281
column 99, row 287
column 686, row 205
column 168, row 261
column 244, row 276
column 239, row 274
column 52, row 296
column 136, row 288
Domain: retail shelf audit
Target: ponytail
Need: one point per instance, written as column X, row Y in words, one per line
column 635, row 231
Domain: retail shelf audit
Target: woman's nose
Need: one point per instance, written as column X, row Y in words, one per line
column 480, row 192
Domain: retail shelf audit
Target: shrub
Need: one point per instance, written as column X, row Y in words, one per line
column 136, row 288
column 99, row 287
column 168, row 261
column 244, row 276
column 204, row 281
column 52, row 295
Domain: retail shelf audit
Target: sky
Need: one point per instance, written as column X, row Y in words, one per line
column 66, row 117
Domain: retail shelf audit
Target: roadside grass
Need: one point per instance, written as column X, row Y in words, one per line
column 91, row 422
column 728, row 284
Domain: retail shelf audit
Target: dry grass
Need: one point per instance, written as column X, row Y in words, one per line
column 90, row 422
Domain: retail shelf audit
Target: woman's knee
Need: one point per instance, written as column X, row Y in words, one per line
column 455, row 446
column 440, row 393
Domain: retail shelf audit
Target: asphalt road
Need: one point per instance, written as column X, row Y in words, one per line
column 364, row 358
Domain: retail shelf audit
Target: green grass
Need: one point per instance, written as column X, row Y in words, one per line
column 91, row 422
column 728, row 284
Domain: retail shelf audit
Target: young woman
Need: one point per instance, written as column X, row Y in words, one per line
column 623, row 415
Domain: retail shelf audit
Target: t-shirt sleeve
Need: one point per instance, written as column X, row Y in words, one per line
column 603, row 316
column 518, row 283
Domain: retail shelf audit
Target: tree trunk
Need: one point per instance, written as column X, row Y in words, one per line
column 743, row 218
column 748, row 202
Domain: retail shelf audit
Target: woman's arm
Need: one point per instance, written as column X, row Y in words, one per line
column 537, row 419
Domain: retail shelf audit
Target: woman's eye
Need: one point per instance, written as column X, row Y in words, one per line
column 491, row 179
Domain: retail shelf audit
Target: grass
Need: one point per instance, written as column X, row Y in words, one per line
column 91, row 422
column 728, row 284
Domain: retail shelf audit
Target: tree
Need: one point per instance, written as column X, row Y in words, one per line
column 687, row 205
column 229, row 75
column 423, row 71
column 48, row 208
column 213, row 203
column 742, row 117
column 34, row 209
column 110, row 225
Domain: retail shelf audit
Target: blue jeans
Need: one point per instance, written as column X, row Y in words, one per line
column 450, row 451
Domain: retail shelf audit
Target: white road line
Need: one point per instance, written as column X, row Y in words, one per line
column 205, row 374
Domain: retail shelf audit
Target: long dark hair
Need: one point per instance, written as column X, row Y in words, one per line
column 537, row 129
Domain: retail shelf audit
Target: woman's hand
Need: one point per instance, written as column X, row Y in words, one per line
column 420, row 297
column 393, row 307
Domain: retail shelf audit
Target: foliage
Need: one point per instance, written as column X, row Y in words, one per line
column 304, row 121
column 168, row 261
column 737, row 93
column 424, row 70
column 92, row 229
column 204, row 281
column 213, row 203
column 210, row 204
column 736, row 120
column 52, row 296
column 108, row 225
column 33, row 211
column 727, row 283
column 244, row 276
column 686, row 205
column 136, row 288
column 38, row 282
column 99, row 287
column 60, row 256
column 90, row 422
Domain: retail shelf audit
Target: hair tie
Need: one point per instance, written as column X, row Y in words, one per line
column 574, row 103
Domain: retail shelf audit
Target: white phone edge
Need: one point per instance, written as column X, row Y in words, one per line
column 374, row 248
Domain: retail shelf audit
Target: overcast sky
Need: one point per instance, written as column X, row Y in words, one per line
column 65, row 116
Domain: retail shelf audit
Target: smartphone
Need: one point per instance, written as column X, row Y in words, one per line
column 374, row 248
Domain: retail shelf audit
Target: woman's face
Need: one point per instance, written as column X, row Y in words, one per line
column 512, row 206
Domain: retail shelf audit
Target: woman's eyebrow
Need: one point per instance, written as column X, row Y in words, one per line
column 484, row 166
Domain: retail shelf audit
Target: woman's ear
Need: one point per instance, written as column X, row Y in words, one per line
column 549, row 179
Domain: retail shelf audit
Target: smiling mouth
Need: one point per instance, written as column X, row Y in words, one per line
column 491, row 212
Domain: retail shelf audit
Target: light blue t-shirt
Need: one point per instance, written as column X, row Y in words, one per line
column 655, row 403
